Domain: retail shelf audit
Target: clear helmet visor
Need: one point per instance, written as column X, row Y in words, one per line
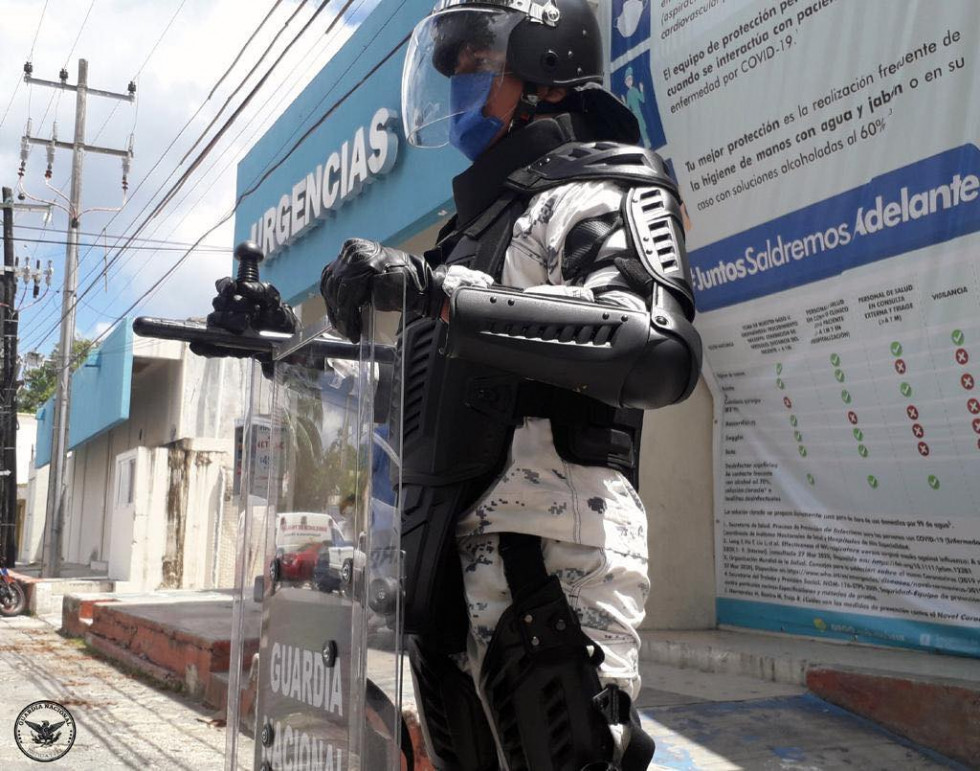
column 456, row 42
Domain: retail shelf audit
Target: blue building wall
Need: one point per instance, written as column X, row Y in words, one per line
column 361, row 78
column 100, row 394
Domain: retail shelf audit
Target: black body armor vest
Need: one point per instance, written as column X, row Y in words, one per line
column 458, row 418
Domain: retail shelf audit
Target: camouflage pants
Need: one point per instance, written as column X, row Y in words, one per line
column 605, row 589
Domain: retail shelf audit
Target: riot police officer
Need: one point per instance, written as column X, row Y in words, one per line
column 555, row 307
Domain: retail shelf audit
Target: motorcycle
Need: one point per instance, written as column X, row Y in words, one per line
column 12, row 597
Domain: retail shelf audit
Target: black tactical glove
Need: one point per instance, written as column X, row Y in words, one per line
column 365, row 272
column 246, row 305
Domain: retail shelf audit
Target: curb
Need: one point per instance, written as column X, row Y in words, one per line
column 937, row 712
column 944, row 716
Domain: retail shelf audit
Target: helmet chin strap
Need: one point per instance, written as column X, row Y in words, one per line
column 527, row 108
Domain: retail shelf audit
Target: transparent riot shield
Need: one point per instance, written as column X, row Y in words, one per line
column 315, row 670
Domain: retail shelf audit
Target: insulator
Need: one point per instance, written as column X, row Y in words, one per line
column 28, row 69
column 63, row 75
column 25, row 150
column 37, row 291
column 131, row 87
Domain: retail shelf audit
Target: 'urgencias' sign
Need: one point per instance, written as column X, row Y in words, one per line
column 370, row 154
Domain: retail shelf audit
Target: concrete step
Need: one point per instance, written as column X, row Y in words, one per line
column 132, row 661
column 174, row 636
column 216, row 696
column 44, row 595
column 931, row 699
column 77, row 609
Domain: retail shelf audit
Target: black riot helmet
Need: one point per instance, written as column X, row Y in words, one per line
column 543, row 42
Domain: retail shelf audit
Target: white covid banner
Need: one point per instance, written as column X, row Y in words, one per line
column 826, row 151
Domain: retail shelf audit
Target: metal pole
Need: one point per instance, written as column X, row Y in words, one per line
column 8, row 420
column 55, row 518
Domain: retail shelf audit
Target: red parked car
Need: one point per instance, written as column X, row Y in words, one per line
column 298, row 565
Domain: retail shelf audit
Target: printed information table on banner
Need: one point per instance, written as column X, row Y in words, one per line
column 827, row 154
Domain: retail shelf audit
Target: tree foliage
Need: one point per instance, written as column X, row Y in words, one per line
column 40, row 383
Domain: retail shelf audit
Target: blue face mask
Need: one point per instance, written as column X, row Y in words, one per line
column 470, row 131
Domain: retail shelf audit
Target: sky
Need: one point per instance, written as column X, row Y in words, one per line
column 176, row 51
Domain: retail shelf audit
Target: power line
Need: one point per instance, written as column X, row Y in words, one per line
column 221, row 132
column 215, row 177
column 249, row 74
column 187, row 124
column 65, row 67
column 30, row 57
column 159, row 282
column 79, row 35
column 129, row 248
column 159, row 39
column 102, row 234
column 170, row 146
column 175, row 188
column 37, row 31
column 153, row 288
column 115, row 107
column 242, row 49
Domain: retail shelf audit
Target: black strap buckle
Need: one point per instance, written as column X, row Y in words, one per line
column 614, row 704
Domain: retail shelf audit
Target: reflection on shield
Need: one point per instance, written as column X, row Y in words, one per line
column 319, row 548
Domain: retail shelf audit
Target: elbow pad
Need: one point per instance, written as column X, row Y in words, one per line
column 624, row 358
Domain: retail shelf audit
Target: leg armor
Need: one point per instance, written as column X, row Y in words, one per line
column 454, row 725
column 540, row 679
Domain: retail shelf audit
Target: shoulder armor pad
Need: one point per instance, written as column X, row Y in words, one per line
column 587, row 161
column 654, row 226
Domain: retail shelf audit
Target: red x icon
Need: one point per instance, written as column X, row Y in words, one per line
column 962, row 357
column 967, row 381
column 787, row 402
column 918, row 430
column 976, row 425
column 923, row 449
column 853, row 417
column 973, row 406
column 900, row 366
column 912, row 412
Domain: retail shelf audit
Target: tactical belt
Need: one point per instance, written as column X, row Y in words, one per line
column 586, row 431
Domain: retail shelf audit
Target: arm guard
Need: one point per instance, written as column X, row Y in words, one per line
column 622, row 357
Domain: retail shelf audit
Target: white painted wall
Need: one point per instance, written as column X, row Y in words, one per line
column 32, row 536
column 26, row 439
column 177, row 399
column 676, row 486
column 136, row 563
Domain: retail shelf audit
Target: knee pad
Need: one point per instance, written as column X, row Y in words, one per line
column 457, row 734
column 540, row 680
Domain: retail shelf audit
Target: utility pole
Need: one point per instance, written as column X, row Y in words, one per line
column 54, row 514
column 8, row 372
column 8, row 394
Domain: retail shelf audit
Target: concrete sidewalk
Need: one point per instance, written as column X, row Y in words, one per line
column 122, row 721
column 717, row 722
column 713, row 700
column 927, row 698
